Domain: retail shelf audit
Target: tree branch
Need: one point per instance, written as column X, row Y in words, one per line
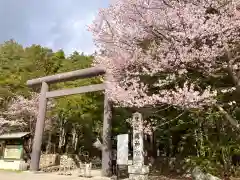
column 178, row 116
column 230, row 69
column 232, row 121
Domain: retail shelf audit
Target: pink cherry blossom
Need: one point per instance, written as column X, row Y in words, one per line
column 6, row 124
column 22, row 113
column 166, row 40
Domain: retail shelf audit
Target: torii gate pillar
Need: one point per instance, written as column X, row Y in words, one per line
column 106, row 138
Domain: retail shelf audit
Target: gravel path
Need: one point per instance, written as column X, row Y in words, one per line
column 7, row 175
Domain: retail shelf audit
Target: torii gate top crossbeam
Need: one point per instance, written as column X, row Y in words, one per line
column 68, row 76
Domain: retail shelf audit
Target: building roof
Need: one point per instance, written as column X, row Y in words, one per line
column 17, row 135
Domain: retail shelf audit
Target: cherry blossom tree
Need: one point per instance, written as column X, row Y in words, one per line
column 22, row 114
column 6, row 125
column 168, row 52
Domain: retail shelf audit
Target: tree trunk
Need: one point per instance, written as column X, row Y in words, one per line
column 49, row 143
column 196, row 142
column 62, row 138
column 74, row 139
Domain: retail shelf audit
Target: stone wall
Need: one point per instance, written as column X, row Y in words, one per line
column 48, row 160
column 68, row 161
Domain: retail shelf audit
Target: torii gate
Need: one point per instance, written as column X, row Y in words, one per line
column 44, row 82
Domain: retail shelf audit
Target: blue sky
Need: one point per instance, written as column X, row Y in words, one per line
column 58, row 24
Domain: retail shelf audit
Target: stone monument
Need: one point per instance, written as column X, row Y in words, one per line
column 122, row 149
column 138, row 171
column 122, row 156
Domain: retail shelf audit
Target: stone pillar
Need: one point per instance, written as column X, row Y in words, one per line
column 37, row 142
column 138, row 171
